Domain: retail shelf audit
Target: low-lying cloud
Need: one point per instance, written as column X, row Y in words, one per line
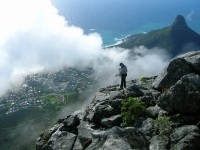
column 34, row 37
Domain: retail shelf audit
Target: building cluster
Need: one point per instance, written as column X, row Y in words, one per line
column 27, row 94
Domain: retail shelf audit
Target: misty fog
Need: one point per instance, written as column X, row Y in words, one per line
column 34, row 38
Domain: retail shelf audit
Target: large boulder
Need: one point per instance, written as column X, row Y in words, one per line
column 159, row 142
column 61, row 140
column 118, row 139
column 193, row 58
column 84, row 138
column 58, row 139
column 178, row 67
column 172, row 73
column 42, row 141
column 112, row 121
column 185, row 138
column 183, row 97
column 148, row 128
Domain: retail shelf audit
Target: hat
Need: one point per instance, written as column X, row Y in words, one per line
column 121, row 64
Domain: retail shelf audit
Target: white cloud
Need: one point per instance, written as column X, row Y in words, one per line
column 35, row 37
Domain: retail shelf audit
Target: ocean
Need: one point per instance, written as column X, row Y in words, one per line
column 115, row 19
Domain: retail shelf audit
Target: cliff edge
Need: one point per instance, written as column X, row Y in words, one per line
column 171, row 118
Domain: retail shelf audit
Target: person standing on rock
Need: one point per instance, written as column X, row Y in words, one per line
column 123, row 73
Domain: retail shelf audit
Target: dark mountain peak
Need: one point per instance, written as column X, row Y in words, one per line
column 177, row 38
column 179, row 21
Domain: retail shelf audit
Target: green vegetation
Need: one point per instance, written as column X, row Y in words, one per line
column 163, row 124
column 173, row 39
column 131, row 110
column 45, row 135
column 20, row 130
column 144, row 79
column 156, row 38
column 52, row 98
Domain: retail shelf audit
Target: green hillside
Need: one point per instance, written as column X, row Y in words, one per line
column 176, row 38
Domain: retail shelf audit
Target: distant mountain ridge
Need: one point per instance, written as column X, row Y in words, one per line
column 176, row 38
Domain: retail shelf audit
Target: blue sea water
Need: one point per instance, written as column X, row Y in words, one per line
column 114, row 19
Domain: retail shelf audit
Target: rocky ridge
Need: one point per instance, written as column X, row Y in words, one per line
column 174, row 94
column 176, row 38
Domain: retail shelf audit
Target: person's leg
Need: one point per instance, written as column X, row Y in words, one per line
column 125, row 82
column 121, row 86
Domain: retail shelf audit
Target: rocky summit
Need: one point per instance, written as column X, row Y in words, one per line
column 171, row 118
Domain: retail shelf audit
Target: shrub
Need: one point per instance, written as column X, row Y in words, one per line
column 144, row 79
column 131, row 110
column 163, row 124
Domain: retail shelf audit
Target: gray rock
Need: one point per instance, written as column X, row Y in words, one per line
column 77, row 145
column 41, row 145
column 116, row 104
column 134, row 91
column 148, row 128
column 61, row 141
column 42, row 141
column 102, row 111
column 155, row 95
column 193, row 58
column 71, row 121
column 128, row 137
column 185, row 138
column 172, row 73
column 183, row 97
column 115, row 143
column 84, row 135
column 117, row 95
column 153, row 111
column 80, row 114
column 159, row 142
column 112, row 121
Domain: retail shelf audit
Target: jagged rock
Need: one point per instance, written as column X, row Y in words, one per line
column 159, row 142
column 104, row 106
column 84, row 135
column 183, row 97
column 117, row 95
column 134, row 91
column 100, row 99
column 102, row 111
column 88, row 128
column 115, row 143
column 119, row 139
column 155, row 111
column 80, row 114
column 61, row 140
column 185, row 138
column 77, row 145
column 116, row 104
column 112, row 121
column 193, row 58
column 172, row 73
column 148, row 128
column 42, row 141
column 71, row 121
